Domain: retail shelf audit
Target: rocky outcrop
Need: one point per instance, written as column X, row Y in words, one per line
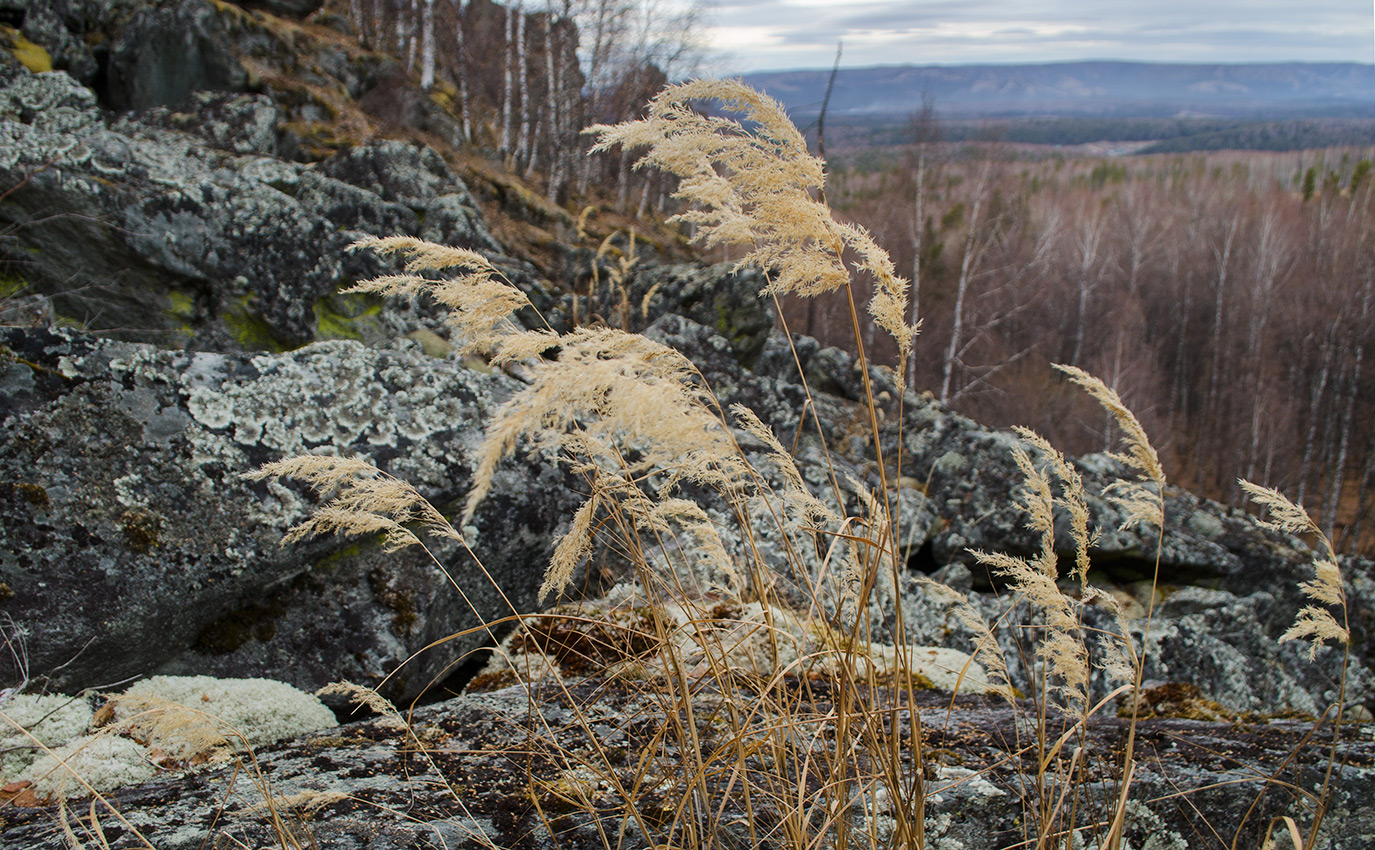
column 133, row 547
column 1228, row 588
column 482, row 768
column 129, row 544
column 198, row 236
column 182, row 179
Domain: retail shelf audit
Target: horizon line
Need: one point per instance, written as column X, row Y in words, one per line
column 881, row 65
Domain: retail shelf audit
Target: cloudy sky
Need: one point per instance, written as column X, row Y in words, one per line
column 777, row 34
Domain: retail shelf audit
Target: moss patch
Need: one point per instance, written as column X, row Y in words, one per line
column 344, row 316
column 12, row 285
column 331, row 562
column 30, row 55
column 33, row 494
column 181, row 305
column 1183, row 700
column 250, row 330
column 255, row 621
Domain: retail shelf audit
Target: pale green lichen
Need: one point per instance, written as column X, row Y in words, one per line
column 53, row 720
column 91, row 762
column 206, row 713
column 263, row 711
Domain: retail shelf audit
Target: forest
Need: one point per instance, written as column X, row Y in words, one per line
column 1227, row 296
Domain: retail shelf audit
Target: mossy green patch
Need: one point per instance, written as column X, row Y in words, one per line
column 34, row 494
column 317, row 140
column 445, row 96
column 181, row 309
column 181, row 305
column 30, row 55
column 344, row 316
column 251, row 330
column 12, row 285
column 331, row 562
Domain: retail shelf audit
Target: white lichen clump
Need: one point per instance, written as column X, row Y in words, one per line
column 165, row 722
column 52, row 720
column 262, row 711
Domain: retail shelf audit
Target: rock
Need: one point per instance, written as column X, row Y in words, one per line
column 718, row 297
column 176, row 229
column 169, row 50
column 416, row 178
column 486, row 769
column 1230, row 587
column 131, row 546
column 44, row 26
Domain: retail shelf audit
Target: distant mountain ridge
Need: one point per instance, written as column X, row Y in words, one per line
column 1098, row 88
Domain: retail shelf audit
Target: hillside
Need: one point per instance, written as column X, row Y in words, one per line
column 1097, row 89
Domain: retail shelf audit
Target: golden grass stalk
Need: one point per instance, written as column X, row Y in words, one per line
column 758, row 186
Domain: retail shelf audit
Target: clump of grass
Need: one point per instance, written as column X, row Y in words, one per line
column 802, row 740
column 1318, row 624
column 635, row 420
column 761, row 751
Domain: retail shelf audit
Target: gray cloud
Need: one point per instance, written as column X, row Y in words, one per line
column 758, row 34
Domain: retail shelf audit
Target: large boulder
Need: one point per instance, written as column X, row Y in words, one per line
column 131, row 545
column 166, row 51
column 182, row 228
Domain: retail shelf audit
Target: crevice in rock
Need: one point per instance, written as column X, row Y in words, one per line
column 923, row 560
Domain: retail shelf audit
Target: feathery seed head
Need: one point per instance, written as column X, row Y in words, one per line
column 361, row 499
column 1314, row 623
column 754, row 186
column 480, row 306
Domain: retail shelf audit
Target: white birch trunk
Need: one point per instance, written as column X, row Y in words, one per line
column 523, row 74
column 919, row 214
column 508, row 85
column 400, row 29
column 461, row 45
column 554, row 131
column 1334, row 507
column 1311, row 441
column 427, row 45
column 1090, row 238
column 968, row 265
column 412, row 43
column 1223, row 257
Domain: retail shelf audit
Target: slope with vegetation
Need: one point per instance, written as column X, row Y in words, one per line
column 799, row 604
column 1225, row 296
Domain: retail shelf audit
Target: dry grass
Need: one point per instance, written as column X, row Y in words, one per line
column 789, row 727
column 747, row 751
